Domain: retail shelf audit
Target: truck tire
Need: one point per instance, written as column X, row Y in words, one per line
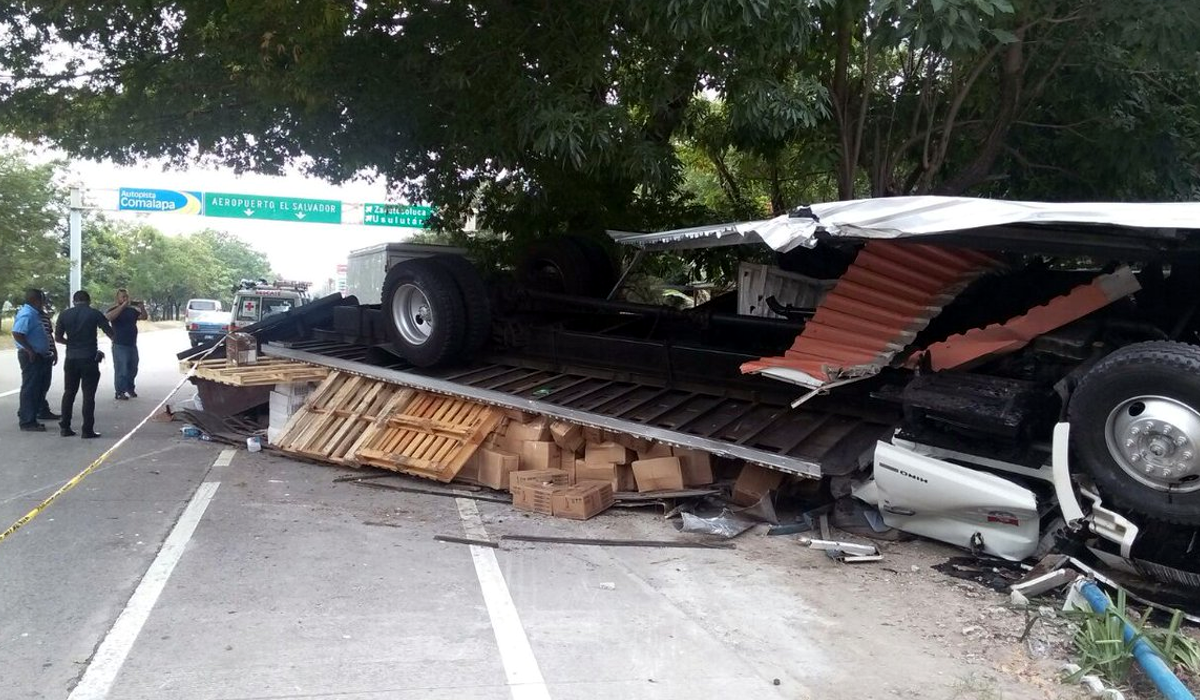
column 476, row 300
column 603, row 271
column 1135, row 428
column 558, row 265
column 424, row 313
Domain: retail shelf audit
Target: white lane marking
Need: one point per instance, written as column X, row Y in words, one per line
column 10, row 393
column 525, row 680
column 225, row 458
column 106, row 663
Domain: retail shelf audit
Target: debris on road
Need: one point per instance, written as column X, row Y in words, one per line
column 663, row 544
column 466, row 540
column 725, row 524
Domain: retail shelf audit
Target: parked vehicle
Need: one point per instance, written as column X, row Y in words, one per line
column 197, row 306
column 204, row 326
column 257, row 300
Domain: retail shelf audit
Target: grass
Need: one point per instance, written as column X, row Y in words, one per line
column 1104, row 652
column 975, row 687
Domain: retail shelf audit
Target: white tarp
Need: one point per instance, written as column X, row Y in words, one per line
column 901, row 217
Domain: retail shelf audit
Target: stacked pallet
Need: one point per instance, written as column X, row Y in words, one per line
column 268, row 371
column 550, row 467
column 351, row 420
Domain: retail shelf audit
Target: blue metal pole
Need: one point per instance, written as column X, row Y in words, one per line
column 1156, row 669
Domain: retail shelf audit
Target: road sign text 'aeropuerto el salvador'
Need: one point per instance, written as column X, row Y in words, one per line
column 250, row 206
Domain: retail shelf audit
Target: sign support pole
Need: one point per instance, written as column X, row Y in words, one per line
column 75, row 228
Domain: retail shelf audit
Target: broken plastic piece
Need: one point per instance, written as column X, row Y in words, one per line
column 850, row 548
column 726, row 524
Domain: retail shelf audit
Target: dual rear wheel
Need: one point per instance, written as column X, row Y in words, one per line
column 436, row 310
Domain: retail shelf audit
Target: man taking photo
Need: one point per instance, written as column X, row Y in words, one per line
column 124, row 316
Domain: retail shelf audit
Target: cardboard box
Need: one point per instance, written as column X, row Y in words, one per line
column 295, row 389
column 494, row 467
column 535, row 498
column 566, row 462
column 661, row 474
column 469, row 474
column 620, row 476
column 568, row 436
column 655, row 451
column 534, row 431
column 753, row 483
column 633, row 442
column 582, row 501
column 540, row 455
column 594, row 435
column 518, row 416
column 607, row 453
column 697, row 467
column 541, row 477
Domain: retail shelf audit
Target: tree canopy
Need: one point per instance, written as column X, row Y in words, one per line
column 165, row 271
column 579, row 115
column 32, row 222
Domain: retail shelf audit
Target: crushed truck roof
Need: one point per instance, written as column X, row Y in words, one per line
column 1120, row 228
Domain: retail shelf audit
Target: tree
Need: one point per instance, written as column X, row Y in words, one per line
column 544, row 116
column 582, row 115
column 32, row 218
column 236, row 260
column 165, row 271
column 958, row 96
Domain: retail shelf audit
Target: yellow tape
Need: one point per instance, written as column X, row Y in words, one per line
column 75, row 480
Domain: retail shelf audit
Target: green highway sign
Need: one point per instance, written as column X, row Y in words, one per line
column 402, row 215
column 253, row 206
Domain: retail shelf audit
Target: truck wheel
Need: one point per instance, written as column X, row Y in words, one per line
column 424, row 312
column 557, row 265
column 602, row 269
column 1135, row 427
column 476, row 299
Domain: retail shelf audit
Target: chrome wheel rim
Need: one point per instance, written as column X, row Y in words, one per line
column 1156, row 440
column 412, row 314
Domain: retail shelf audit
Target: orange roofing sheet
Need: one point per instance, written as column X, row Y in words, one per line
column 997, row 339
column 875, row 309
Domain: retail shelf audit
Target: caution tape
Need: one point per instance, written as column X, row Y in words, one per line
column 78, row 478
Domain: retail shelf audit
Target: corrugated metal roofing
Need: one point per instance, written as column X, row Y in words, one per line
column 999, row 338
column 891, row 292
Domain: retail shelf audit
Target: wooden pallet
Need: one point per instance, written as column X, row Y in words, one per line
column 338, row 415
column 265, row 372
column 432, row 436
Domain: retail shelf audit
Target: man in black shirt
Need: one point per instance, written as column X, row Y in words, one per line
column 48, row 325
column 124, row 316
column 76, row 328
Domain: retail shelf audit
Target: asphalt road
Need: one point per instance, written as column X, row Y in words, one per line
column 182, row 569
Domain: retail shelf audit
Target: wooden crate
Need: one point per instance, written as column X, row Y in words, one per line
column 266, row 372
column 339, row 415
column 432, row 436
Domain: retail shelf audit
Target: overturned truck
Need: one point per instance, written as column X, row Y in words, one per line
column 991, row 374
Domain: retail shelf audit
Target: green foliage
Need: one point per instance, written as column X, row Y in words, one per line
column 164, row 270
column 32, row 220
column 1103, row 651
column 579, row 116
